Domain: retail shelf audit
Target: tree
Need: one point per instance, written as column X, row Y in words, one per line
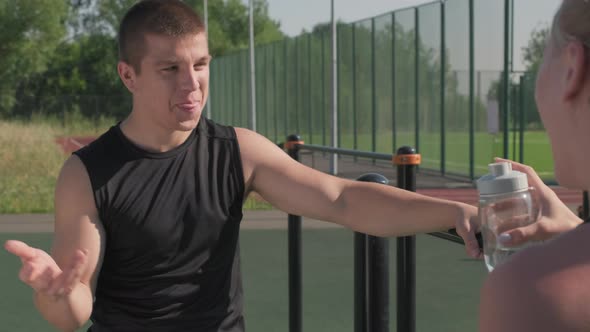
column 80, row 75
column 532, row 54
column 29, row 32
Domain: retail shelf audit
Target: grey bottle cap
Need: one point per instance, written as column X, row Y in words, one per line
column 501, row 180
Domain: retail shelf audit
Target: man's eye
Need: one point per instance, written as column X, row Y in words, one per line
column 171, row 68
column 201, row 65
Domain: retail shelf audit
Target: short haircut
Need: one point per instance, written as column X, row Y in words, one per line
column 160, row 17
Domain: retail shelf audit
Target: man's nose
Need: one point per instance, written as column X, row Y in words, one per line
column 190, row 80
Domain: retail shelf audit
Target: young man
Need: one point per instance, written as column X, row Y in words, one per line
column 547, row 288
column 147, row 216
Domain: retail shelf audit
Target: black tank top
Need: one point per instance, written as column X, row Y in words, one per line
column 171, row 260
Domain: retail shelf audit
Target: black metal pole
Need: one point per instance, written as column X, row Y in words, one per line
column 294, row 251
column 407, row 161
column 360, row 282
column 371, row 272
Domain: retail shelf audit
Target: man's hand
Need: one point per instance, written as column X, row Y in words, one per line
column 555, row 217
column 467, row 226
column 40, row 271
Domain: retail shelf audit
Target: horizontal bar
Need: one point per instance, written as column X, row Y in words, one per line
column 451, row 235
column 448, row 236
column 354, row 153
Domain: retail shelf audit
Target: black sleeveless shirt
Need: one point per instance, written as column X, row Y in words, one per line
column 171, row 260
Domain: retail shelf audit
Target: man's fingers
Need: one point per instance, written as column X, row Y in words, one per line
column 71, row 275
column 471, row 244
column 20, row 249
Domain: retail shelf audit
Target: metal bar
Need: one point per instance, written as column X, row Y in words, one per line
column 417, row 78
column 393, row 84
column 335, row 87
column 471, row 93
column 522, row 88
column 354, row 92
column 360, row 282
column 406, row 256
column 348, row 152
column 309, row 91
column 294, row 252
column 373, row 88
column 443, row 81
column 252, row 69
column 371, row 276
column 505, row 75
column 378, row 270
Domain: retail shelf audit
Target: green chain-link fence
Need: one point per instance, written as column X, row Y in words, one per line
column 432, row 77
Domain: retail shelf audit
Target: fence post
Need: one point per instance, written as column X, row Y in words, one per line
column 294, row 251
column 407, row 161
column 371, row 276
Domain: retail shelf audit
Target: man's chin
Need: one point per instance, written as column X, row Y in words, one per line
column 187, row 124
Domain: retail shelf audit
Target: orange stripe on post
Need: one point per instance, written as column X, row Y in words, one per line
column 407, row 159
column 291, row 144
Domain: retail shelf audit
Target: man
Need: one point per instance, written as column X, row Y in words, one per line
column 547, row 287
column 147, row 216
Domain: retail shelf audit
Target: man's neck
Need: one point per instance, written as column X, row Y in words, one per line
column 150, row 136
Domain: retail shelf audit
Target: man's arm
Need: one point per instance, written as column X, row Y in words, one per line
column 365, row 207
column 77, row 228
column 540, row 289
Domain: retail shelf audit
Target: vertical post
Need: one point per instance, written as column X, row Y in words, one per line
column 407, row 161
column 521, row 96
column 393, row 82
column 471, row 93
column 354, row 87
column 417, row 77
column 297, row 67
column 360, row 282
column 252, row 70
column 505, row 75
column 275, row 110
column 323, row 82
column 294, row 251
column 286, row 86
column 373, row 88
column 206, row 14
column 334, row 159
column 443, row 81
column 309, row 91
column 371, row 276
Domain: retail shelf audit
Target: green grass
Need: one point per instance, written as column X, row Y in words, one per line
column 447, row 283
column 31, row 161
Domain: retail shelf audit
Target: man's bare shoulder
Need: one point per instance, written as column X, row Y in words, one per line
column 544, row 288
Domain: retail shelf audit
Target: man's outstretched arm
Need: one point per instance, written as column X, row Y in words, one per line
column 64, row 281
column 365, row 207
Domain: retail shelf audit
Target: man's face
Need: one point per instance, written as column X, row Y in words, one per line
column 173, row 84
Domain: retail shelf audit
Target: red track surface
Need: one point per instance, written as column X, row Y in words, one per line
column 73, row 143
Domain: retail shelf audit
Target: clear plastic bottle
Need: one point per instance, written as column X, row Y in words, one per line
column 505, row 202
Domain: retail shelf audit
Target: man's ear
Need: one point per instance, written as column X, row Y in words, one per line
column 127, row 75
column 575, row 62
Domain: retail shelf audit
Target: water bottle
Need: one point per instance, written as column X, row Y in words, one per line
column 505, row 202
